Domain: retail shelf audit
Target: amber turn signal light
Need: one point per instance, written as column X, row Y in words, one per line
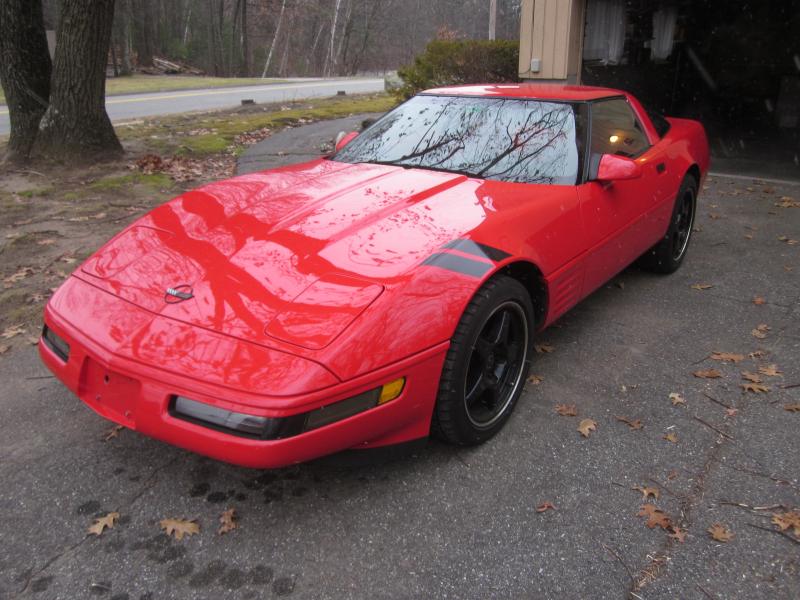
column 391, row 390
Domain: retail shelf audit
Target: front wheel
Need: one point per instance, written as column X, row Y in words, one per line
column 667, row 255
column 487, row 363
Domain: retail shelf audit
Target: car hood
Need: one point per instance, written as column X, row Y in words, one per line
column 291, row 256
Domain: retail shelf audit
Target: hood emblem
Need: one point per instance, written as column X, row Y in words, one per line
column 178, row 294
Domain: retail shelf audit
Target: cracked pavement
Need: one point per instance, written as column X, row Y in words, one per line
column 462, row 523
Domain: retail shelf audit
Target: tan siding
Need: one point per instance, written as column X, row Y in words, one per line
column 551, row 30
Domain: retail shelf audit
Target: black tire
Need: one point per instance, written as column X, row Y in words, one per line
column 668, row 254
column 486, row 366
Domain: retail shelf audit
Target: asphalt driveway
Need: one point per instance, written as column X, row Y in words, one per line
column 462, row 523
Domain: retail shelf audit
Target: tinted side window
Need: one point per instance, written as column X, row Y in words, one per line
column 659, row 122
column 615, row 130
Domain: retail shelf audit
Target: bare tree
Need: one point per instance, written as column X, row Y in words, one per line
column 76, row 125
column 25, row 69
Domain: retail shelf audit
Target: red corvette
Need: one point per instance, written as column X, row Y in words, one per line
column 383, row 293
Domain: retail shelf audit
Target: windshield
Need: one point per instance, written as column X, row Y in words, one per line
column 523, row 141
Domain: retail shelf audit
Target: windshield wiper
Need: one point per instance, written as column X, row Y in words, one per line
column 423, row 167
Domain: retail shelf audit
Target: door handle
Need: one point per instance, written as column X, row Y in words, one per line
column 660, row 168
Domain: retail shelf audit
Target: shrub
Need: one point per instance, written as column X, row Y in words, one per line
column 455, row 62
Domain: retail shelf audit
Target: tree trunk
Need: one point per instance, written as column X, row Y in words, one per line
column 76, row 126
column 24, row 72
column 330, row 64
column 245, row 42
column 274, row 41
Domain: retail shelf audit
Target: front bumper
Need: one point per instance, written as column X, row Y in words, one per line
column 120, row 386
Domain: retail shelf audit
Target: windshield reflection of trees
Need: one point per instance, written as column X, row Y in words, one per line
column 502, row 139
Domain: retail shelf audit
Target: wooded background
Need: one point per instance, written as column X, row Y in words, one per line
column 292, row 37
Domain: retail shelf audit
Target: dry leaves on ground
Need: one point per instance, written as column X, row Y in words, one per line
column 567, row 410
column 3, row 348
column 18, row 276
column 707, row 374
column 670, row 437
column 647, row 491
column 543, row 348
column 181, row 168
column 759, row 300
column 633, row 424
column 229, row 521
column 760, row 331
column 586, row 427
column 112, row 433
column 731, row 412
column 12, row 331
column 676, row 399
column 655, row 517
column 179, row 527
column 755, row 388
column 720, row 533
column 102, row 523
column 793, row 408
column 788, row 240
column 727, row 357
column 788, row 520
column 770, row 371
column 545, row 506
column 535, row 379
column 701, row 286
column 678, row 534
column 787, row 202
column 752, row 377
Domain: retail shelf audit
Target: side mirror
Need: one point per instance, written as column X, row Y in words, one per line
column 345, row 138
column 616, row 168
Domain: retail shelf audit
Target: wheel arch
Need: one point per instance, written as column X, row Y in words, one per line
column 694, row 171
column 530, row 276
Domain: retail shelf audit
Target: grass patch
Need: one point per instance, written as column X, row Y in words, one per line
column 142, row 84
column 36, row 192
column 170, row 134
column 155, row 180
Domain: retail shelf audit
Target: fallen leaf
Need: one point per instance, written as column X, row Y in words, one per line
column 586, row 427
column 755, row 388
column 671, row 437
column 770, row 370
column 633, row 424
column 758, row 301
column 788, row 520
column 535, row 379
column 753, row 377
column 676, row 399
column 788, row 240
column 701, row 286
column 678, row 534
column 18, row 276
column 229, row 521
column 100, row 524
column 647, row 491
column 787, row 202
column 567, row 410
column 760, row 331
column 758, row 354
column 731, row 412
column 112, row 433
column 655, row 517
column 727, row 357
column 543, row 348
column 720, row 532
column 46, row 242
column 179, row 527
column 714, row 216
column 748, row 236
column 672, row 474
column 544, row 506
column 708, row 374
column 3, row 348
column 12, row 331
column 792, row 407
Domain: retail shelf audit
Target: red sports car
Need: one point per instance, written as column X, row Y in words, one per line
column 388, row 291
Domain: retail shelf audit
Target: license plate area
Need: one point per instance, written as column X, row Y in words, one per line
column 109, row 391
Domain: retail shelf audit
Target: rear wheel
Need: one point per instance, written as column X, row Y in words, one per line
column 487, row 363
column 667, row 255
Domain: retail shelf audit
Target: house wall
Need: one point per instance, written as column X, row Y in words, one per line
column 551, row 40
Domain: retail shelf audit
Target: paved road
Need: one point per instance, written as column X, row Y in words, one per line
column 461, row 523
column 135, row 106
